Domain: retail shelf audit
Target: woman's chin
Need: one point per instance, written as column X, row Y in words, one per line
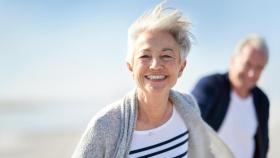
column 157, row 89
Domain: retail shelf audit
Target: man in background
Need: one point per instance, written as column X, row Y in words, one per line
column 233, row 104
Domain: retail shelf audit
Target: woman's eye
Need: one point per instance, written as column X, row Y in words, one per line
column 144, row 56
column 167, row 57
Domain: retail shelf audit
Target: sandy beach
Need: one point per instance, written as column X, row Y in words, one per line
column 49, row 145
column 61, row 143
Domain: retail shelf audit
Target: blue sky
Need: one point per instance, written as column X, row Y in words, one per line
column 76, row 49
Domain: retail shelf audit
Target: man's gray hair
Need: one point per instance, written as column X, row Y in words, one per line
column 160, row 20
column 256, row 41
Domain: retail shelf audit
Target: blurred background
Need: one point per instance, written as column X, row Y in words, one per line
column 61, row 61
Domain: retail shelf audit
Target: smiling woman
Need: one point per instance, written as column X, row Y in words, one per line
column 153, row 120
column 156, row 64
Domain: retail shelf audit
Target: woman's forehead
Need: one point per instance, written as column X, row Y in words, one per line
column 148, row 40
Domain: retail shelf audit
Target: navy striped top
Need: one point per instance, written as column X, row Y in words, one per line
column 167, row 141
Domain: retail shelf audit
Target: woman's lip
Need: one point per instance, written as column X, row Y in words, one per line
column 155, row 77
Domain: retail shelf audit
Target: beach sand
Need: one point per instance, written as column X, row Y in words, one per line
column 48, row 145
column 62, row 145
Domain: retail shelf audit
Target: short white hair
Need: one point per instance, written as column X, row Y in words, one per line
column 254, row 40
column 160, row 20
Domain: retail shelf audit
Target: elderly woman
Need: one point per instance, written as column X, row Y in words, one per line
column 153, row 120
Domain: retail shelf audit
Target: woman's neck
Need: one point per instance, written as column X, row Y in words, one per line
column 153, row 110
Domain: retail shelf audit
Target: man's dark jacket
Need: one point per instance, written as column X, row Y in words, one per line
column 213, row 96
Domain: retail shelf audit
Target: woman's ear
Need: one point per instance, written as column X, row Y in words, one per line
column 182, row 67
column 129, row 66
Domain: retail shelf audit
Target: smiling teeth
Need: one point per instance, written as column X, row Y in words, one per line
column 160, row 77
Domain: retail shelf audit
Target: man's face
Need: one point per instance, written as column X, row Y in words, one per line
column 247, row 67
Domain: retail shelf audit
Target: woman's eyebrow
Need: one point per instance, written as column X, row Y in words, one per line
column 145, row 50
column 167, row 49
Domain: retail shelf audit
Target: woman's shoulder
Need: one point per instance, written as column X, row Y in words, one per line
column 107, row 114
column 111, row 114
column 99, row 131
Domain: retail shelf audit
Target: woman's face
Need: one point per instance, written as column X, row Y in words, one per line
column 156, row 63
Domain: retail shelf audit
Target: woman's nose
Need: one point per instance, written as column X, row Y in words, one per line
column 155, row 63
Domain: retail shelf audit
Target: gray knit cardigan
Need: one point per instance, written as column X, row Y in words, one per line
column 110, row 132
